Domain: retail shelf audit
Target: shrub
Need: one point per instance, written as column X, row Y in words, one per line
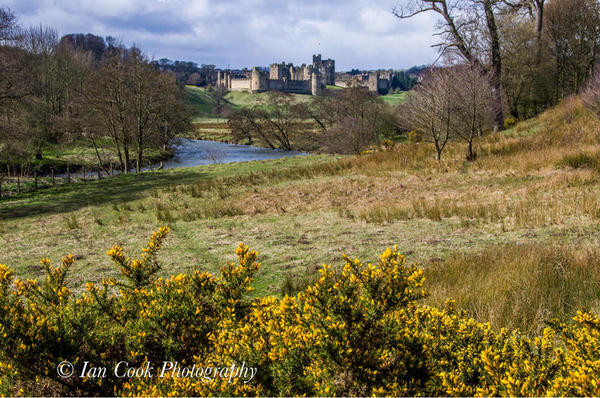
column 415, row 136
column 509, row 122
column 358, row 330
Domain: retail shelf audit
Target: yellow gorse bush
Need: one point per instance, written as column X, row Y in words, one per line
column 358, row 330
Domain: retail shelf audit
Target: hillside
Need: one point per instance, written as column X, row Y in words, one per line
column 202, row 103
column 509, row 236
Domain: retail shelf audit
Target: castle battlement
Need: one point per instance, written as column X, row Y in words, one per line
column 304, row 79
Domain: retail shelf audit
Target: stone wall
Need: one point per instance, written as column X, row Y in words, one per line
column 275, row 85
column 240, row 84
column 298, row 86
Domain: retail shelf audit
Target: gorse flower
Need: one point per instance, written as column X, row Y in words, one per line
column 358, row 330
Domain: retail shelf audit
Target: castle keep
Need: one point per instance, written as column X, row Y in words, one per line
column 304, row 79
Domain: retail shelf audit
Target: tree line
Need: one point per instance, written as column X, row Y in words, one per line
column 57, row 92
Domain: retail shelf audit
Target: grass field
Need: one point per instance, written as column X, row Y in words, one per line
column 395, row 99
column 513, row 236
column 202, row 103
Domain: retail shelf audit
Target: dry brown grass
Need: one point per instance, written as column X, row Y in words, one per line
column 519, row 285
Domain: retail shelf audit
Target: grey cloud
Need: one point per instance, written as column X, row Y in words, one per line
column 356, row 33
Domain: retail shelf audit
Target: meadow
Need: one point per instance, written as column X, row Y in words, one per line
column 512, row 236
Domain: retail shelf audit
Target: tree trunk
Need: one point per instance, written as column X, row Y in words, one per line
column 540, row 82
column 140, row 158
column 127, row 161
column 471, row 155
column 496, row 70
column 539, row 25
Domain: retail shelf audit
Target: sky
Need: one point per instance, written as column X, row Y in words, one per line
column 361, row 34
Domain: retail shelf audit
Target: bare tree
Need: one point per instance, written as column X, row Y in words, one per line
column 106, row 107
column 57, row 70
column 244, row 126
column 472, row 104
column 350, row 120
column 469, row 28
column 281, row 118
column 9, row 27
column 591, row 95
column 133, row 103
column 430, row 109
column 173, row 118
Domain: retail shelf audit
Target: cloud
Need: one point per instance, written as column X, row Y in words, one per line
column 356, row 33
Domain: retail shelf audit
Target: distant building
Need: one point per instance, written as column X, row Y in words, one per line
column 379, row 81
column 305, row 79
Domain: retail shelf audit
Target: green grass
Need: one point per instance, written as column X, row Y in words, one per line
column 202, row 103
column 395, row 99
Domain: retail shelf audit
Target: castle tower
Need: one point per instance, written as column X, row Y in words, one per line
column 219, row 79
column 374, row 82
column 258, row 82
column 315, row 84
column 228, row 80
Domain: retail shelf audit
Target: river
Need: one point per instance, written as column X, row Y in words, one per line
column 189, row 153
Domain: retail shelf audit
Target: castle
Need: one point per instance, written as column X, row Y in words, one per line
column 305, row 79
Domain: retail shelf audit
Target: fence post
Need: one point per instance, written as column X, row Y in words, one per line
column 68, row 174
column 18, row 183
column 35, row 180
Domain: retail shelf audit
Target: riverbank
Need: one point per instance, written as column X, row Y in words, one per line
column 76, row 160
column 183, row 153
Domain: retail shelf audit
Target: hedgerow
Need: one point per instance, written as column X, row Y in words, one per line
column 359, row 330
